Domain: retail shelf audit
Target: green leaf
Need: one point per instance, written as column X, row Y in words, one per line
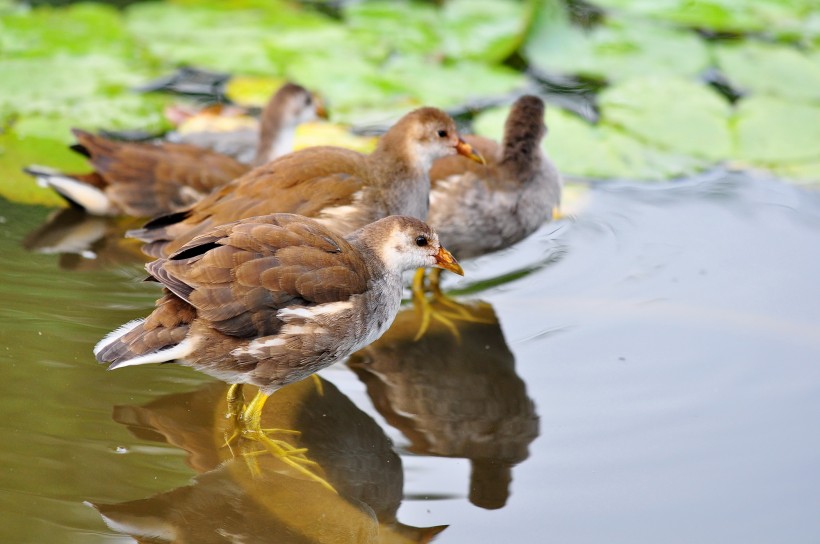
column 76, row 29
column 54, row 85
column 620, row 49
column 488, row 30
column 773, row 132
column 16, row 152
column 781, row 17
column 670, row 113
column 580, row 149
column 777, row 70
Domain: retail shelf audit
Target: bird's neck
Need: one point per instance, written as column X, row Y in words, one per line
column 401, row 181
column 275, row 139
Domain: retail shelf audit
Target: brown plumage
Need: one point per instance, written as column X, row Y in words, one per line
column 145, row 180
column 270, row 300
column 343, row 189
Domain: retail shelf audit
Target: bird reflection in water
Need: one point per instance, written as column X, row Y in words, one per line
column 454, row 395
column 227, row 502
column 85, row 242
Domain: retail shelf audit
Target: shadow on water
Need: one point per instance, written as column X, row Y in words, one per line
column 454, row 393
column 250, row 498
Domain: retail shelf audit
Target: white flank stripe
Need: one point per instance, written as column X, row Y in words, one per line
column 314, row 311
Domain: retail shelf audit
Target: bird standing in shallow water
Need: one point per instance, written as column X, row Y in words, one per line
column 341, row 188
column 145, row 180
column 478, row 209
column 271, row 300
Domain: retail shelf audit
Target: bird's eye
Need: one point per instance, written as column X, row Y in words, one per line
column 421, row 241
column 442, row 133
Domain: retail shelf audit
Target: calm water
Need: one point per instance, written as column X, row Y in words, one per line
column 645, row 372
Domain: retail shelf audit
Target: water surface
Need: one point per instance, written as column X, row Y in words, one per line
column 645, row 371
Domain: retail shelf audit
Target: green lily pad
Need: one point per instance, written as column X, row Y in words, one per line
column 130, row 111
column 783, row 17
column 670, row 113
column 621, row 48
column 209, row 36
column 778, row 70
column 487, row 30
column 16, row 152
column 54, row 85
column 580, row 149
column 76, row 29
column 774, row 132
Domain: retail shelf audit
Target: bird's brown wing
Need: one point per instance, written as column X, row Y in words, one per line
column 457, row 165
column 238, row 276
column 304, row 183
column 145, row 180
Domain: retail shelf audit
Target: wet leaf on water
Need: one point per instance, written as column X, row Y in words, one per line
column 783, row 17
column 55, row 85
column 619, row 49
column 778, row 70
column 580, row 149
column 16, row 152
column 670, row 113
column 774, row 132
column 323, row 133
column 121, row 112
column 75, row 29
column 252, row 90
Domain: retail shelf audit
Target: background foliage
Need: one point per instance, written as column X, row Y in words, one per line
column 639, row 89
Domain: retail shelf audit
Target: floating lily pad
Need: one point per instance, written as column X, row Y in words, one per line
column 76, row 29
column 775, row 132
column 16, row 152
column 670, row 113
column 783, row 17
column 54, row 85
column 323, row 133
column 621, row 48
column 121, row 112
column 771, row 69
column 580, row 149
column 252, row 91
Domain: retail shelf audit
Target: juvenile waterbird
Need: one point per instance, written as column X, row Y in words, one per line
column 271, row 300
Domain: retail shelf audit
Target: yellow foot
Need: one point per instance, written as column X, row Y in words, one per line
column 442, row 308
column 249, row 428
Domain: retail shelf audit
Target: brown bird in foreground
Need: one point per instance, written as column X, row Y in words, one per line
column 271, row 300
column 342, row 189
column 478, row 209
column 145, row 180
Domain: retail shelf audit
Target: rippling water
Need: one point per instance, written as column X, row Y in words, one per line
column 644, row 371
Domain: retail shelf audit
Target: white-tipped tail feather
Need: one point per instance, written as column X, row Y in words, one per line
column 180, row 351
column 91, row 199
column 116, row 334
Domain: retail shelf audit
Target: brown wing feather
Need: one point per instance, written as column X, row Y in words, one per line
column 145, row 180
column 304, row 183
column 252, row 268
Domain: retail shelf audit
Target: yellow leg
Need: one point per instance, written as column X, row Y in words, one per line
column 449, row 311
column 282, row 450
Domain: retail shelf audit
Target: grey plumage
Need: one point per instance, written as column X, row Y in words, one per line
column 479, row 209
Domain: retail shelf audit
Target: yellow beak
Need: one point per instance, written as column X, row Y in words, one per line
column 463, row 148
column 445, row 260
